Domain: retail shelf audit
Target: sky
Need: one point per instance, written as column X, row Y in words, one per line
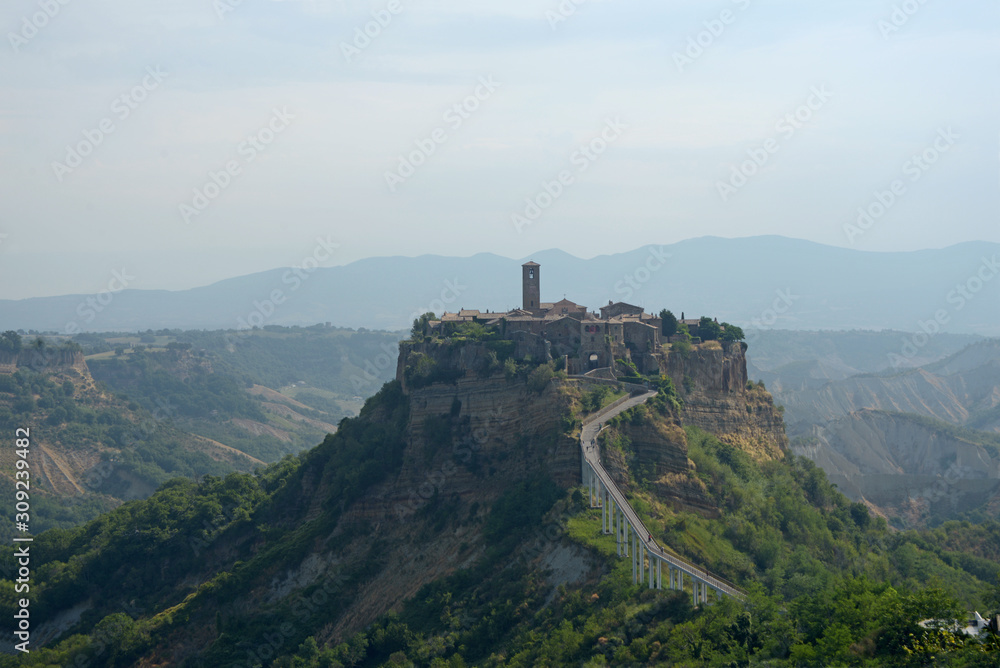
column 168, row 144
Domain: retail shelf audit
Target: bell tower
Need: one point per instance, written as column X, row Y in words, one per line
column 530, row 287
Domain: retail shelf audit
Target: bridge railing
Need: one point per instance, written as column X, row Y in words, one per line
column 637, row 526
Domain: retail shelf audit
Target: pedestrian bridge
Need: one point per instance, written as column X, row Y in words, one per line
column 650, row 562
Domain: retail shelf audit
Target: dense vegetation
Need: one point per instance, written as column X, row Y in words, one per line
column 158, row 392
column 829, row 586
column 147, row 451
column 143, row 557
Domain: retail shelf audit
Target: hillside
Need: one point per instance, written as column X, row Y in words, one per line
column 122, row 414
column 444, row 526
column 793, row 360
column 963, row 388
column 913, row 469
column 92, row 448
column 880, row 432
column 754, row 282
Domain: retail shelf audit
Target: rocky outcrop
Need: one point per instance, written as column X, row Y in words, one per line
column 712, row 381
column 468, row 442
column 905, row 466
column 47, row 359
column 473, row 434
column 655, row 452
column 471, row 439
column 711, row 368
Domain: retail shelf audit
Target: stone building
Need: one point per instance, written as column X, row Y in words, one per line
column 587, row 340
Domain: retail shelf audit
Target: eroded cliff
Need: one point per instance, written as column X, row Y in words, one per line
column 712, row 382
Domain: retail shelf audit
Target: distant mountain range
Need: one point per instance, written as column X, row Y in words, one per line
column 757, row 282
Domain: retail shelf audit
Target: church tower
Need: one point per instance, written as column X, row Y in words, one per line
column 530, row 290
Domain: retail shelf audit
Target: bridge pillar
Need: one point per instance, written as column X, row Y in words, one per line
column 607, row 509
column 625, row 534
column 659, row 574
column 650, row 553
column 604, row 514
column 680, row 580
column 694, row 590
column 633, row 558
column 637, row 551
column 636, row 556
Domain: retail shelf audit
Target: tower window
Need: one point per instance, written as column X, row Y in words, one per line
column 531, row 273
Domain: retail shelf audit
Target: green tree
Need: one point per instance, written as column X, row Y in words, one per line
column 10, row 342
column 732, row 332
column 669, row 325
column 419, row 329
column 708, row 329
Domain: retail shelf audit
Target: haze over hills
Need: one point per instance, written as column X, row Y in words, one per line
column 764, row 281
column 114, row 416
column 920, row 445
column 446, row 526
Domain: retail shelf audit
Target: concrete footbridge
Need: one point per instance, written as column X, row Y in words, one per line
column 649, row 561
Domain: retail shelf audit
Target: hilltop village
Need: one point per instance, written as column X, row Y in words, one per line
column 587, row 340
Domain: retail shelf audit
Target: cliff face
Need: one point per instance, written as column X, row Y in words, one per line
column 473, row 434
column 712, row 381
column 905, row 466
column 655, row 451
column 45, row 360
column 469, row 439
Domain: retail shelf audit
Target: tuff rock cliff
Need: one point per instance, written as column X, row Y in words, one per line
column 712, row 382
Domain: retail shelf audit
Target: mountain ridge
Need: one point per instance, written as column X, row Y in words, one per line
column 825, row 287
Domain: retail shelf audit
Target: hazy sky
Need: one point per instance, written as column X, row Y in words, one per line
column 290, row 124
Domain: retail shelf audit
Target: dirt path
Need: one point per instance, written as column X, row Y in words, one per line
column 61, row 466
column 229, row 449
